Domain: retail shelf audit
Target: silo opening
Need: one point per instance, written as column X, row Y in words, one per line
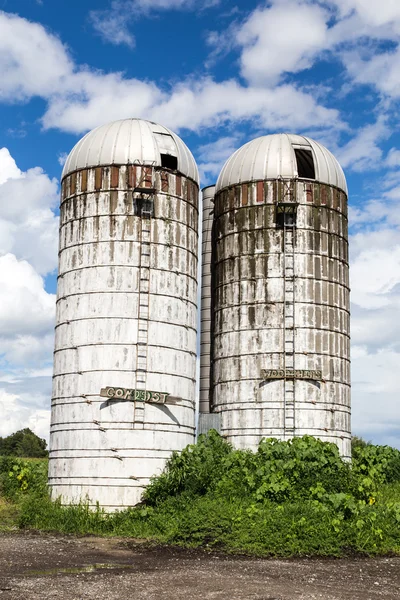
column 169, row 162
column 285, row 215
column 305, row 163
column 143, row 207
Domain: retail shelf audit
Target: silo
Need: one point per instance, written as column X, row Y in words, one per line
column 280, row 358
column 206, row 418
column 126, row 324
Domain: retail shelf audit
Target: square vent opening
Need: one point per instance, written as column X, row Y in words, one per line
column 305, row 163
column 169, row 162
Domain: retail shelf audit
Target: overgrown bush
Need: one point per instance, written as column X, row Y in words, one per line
column 380, row 463
column 278, row 471
column 20, row 477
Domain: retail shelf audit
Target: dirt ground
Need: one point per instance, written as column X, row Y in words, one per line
column 42, row 566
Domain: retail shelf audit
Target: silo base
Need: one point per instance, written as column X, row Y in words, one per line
column 209, row 421
column 109, row 498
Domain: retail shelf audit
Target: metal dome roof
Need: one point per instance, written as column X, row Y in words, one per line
column 130, row 141
column 274, row 157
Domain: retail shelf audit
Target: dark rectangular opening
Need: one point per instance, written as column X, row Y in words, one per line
column 169, row 162
column 143, row 207
column 286, row 215
column 305, row 163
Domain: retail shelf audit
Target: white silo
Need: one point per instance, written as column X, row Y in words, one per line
column 125, row 347
column 280, row 339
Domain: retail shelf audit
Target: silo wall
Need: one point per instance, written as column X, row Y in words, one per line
column 205, row 323
column 126, row 318
column 281, row 306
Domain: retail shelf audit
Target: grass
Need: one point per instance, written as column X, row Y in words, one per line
column 287, row 499
column 8, row 515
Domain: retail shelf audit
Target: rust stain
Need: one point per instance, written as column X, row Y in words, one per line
column 178, row 186
column 72, row 184
column 84, row 179
column 245, row 194
column 147, row 177
column 131, row 176
column 114, row 177
column 260, row 191
column 98, row 175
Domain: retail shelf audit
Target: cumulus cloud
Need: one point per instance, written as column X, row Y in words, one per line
column 363, row 152
column 375, row 326
column 283, row 37
column 78, row 98
column 14, row 416
column 28, row 250
column 28, row 224
column 375, row 398
column 25, row 307
column 23, row 46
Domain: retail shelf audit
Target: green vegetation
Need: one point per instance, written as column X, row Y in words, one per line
column 287, row 499
column 23, row 443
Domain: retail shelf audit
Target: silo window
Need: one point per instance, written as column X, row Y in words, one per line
column 305, row 163
column 285, row 215
column 143, row 207
column 169, row 162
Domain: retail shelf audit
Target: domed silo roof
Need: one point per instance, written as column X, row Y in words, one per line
column 282, row 155
column 131, row 141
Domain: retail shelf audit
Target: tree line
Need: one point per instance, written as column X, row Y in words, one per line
column 23, row 443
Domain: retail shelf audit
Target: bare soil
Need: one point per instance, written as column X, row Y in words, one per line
column 41, row 566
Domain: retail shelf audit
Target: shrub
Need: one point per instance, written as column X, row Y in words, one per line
column 380, row 463
column 19, row 477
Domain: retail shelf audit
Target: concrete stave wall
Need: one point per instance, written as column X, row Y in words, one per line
column 248, row 311
column 109, row 450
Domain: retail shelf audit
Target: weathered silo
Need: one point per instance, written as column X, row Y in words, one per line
column 125, row 348
column 280, row 350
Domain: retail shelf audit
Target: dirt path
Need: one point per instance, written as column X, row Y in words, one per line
column 40, row 566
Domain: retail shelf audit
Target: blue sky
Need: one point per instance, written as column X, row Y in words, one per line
column 218, row 73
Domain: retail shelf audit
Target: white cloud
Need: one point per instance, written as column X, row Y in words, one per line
column 389, row 10
column 375, row 273
column 62, row 157
column 78, row 98
column 379, row 70
column 393, row 158
column 28, row 230
column 375, row 326
column 281, row 38
column 25, row 307
column 28, row 225
column 15, row 416
column 212, row 156
column 112, row 24
column 362, row 152
column 8, row 167
column 26, row 343
column 375, row 397
column 23, row 47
